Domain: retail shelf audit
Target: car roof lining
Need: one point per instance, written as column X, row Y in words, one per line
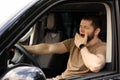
column 80, row 7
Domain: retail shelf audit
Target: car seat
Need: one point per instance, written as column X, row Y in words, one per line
column 53, row 64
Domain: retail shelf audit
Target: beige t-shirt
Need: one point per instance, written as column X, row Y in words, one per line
column 75, row 65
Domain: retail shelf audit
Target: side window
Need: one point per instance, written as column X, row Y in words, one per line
column 63, row 20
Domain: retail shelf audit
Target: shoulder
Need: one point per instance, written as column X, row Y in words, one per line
column 68, row 43
column 100, row 43
column 98, row 48
column 101, row 47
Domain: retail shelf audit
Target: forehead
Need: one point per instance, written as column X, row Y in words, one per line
column 85, row 22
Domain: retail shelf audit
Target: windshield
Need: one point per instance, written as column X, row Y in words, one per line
column 10, row 8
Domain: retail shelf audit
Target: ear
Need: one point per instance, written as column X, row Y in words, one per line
column 97, row 31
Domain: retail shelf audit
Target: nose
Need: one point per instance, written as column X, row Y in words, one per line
column 81, row 29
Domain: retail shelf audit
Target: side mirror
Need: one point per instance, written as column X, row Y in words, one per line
column 24, row 72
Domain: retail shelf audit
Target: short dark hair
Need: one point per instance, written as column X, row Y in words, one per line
column 95, row 20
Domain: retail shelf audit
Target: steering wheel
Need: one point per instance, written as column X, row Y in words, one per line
column 21, row 49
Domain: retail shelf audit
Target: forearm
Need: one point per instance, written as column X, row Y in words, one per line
column 57, row 48
column 38, row 49
column 92, row 61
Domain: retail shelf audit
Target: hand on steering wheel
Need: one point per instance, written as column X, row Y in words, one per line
column 26, row 53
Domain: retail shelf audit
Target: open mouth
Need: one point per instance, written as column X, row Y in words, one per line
column 82, row 35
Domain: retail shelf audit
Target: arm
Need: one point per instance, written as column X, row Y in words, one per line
column 47, row 48
column 95, row 62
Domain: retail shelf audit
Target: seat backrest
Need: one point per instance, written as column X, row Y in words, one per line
column 52, row 34
column 53, row 63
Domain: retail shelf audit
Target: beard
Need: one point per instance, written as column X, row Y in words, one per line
column 90, row 37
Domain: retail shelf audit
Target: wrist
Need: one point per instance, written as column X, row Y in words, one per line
column 81, row 46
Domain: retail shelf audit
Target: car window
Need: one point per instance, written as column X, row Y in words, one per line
column 51, row 23
column 67, row 22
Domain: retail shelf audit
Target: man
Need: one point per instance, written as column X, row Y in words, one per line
column 87, row 51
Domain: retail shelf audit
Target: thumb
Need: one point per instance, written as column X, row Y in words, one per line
column 85, row 36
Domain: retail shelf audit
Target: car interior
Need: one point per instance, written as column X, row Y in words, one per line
column 61, row 23
column 58, row 24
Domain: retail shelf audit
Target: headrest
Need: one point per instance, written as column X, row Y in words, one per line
column 50, row 21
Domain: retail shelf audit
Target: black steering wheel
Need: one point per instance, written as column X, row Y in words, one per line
column 27, row 54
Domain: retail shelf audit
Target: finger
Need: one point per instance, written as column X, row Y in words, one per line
column 86, row 34
column 77, row 35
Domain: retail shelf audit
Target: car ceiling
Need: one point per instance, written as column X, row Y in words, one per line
column 80, row 7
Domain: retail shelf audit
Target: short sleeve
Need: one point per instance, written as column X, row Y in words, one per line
column 68, row 43
column 101, row 50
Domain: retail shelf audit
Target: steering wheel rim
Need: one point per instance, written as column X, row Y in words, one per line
column 29, row 56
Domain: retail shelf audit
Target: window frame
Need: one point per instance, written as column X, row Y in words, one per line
column 110, row 43
column 114, row 37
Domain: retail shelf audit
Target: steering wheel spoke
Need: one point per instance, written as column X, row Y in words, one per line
column 20, row 52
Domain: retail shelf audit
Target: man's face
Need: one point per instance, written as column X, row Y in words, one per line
column 86, row 25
